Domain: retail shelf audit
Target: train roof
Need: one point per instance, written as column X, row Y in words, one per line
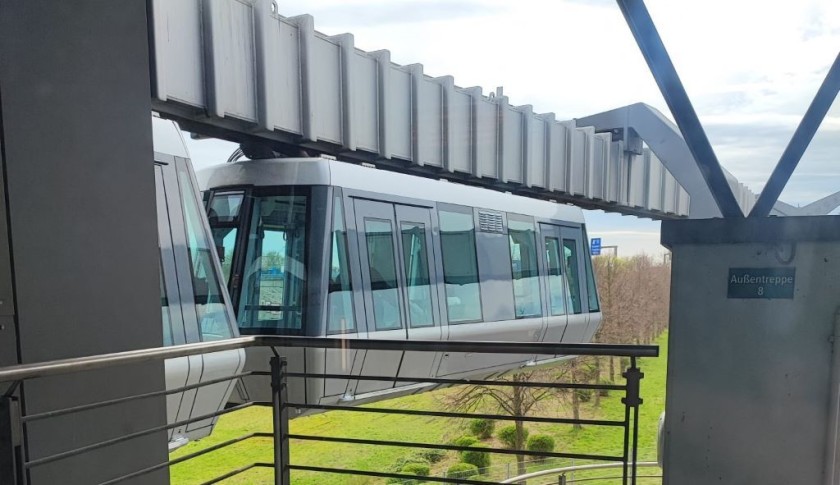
column 321, row 171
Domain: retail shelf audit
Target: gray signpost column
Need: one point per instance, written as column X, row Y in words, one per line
column 78, row 186
column 750, row 370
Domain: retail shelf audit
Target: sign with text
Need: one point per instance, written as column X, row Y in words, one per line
column 766, row 283
column 595, row 246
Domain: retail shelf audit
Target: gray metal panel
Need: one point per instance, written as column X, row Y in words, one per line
column 669, row 192
column 460, row 143
column 179, row 58
column 78, row 156
column 578, row 160
column 612, row 185
column 538, row 133
column 399, row 113
column 493, row 254
column 559, row 154
column 597, row 174
column 365, row 92
column 656, row 184
column 326, row 97
column 429, row 120
column 511, row 152
column 486, row 132
column 637, row 179
column 229, row 40
column 279, row 85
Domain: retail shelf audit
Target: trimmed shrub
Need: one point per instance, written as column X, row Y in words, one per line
column 404, row 461
column 432, row 456
column 416, row 469
column 481, row 459
column 508, row 435
column 483, row 428
column 540, row 442
column 462, row 470
column 465, row 440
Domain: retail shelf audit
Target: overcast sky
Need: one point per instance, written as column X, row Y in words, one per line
column 750, row 67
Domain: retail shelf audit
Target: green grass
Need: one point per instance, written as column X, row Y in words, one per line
column 589, row 440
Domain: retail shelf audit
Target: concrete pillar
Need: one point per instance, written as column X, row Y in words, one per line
column 754, row 304
column 78, row 239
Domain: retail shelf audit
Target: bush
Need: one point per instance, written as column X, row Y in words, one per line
column 481, row 459
column 483, row 428
column 432, row 456
column 462, row 470
column 508, row 435
column 583, row 395
column 540, row 442
column 465, row 440
column 402, row 462
column 416, row 469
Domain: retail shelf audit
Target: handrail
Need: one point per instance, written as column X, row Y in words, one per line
column 65, row 366
column 575, row 468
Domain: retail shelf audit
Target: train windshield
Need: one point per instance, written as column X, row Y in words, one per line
column 274, row 270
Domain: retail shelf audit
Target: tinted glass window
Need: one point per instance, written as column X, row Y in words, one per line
column 554, row 261
column 379, row 238
column 164, row 308
column 275, row 271
column 416, row 265
column 570, row 253
column 207, row 291
column 523, row 260
column 225, row 207
column 225, row 240
column 340, row 297
column 460, row 266
column 592, row 291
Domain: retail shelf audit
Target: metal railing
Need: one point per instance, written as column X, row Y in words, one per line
column 13, row 424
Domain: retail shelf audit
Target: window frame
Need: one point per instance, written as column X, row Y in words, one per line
column 519, row 218
column 470, row 211
column 338, row 198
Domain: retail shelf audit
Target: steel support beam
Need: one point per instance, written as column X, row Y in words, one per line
column 799, row 142
column 647, row 37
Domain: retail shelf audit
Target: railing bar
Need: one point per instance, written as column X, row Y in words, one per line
column 444, row 414
column 136, row 474
column 342, row 471
column 408, row 444
column 86, row 407
column 217, row 446
column 120, row 439
column 607, row 478
column 467, row 382
column 233, row 473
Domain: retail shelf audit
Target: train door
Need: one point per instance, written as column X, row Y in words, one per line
column 566, row 292
column 394, row 251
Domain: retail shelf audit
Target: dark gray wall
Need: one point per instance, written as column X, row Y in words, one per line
column 76, row 133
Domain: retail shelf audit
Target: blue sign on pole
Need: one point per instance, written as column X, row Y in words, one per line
column 595, row 246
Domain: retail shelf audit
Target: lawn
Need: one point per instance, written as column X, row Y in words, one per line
column 590, row 439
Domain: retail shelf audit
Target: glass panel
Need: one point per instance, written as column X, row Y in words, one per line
column 592, row 291
column 207, row 291
column 225, row 240
column 164, row 308
column 555, row 276
column 417, row 274
column 340, row 292
column 523, row 258
column 570, row 252
column 460, row 267
column 225, row 207
column 379, row 238
column 275, row 269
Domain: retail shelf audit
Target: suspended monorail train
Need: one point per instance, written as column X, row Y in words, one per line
column 318, row 247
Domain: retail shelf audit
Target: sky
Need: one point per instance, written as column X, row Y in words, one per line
column 750, row 67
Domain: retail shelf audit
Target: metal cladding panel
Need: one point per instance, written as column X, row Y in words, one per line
column 326, row 96
column 364, row 93
column 511, row 145
column 612, row 184
column 179, row 73
column 536, row 160
column 596, row 178
column 399, row 113
column 655, row 183
column 486, row 129
column 637, row 181
column 577, row 167
column 684, row 202
column 229, row 37
column 282, row 77
column 429, row 123
column 460, row 141
column 559, row 152
column 669, row 193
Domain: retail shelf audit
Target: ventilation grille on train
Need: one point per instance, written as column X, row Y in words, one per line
column 490, row 222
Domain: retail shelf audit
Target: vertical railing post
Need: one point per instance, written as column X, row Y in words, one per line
column 280, row 415
column 11, row 471
column 632, row 401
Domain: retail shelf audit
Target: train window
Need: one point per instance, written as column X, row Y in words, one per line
column 225, row 207
column 379, row 238
column 224, row 221
column 340, row 291
column 554, row 262
column 225, row 240
column 416, row 262
column 523, row 260
column 592, row 291
column 275, row 270
column 460, row 266
column 164, row 307
column 570, row 252
column 209, row 304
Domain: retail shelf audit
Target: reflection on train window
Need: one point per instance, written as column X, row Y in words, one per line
column 383, row 274
column 225, row 240
column 460, row 266
column 523, row 260
column 555, row 276
column 592, row 292
column 164, row 307
column 340, row 297
column 275, row 271
column 207, row 291
column 223, row 215
column 416, row 264
column 225, row 207
column 570, row 251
